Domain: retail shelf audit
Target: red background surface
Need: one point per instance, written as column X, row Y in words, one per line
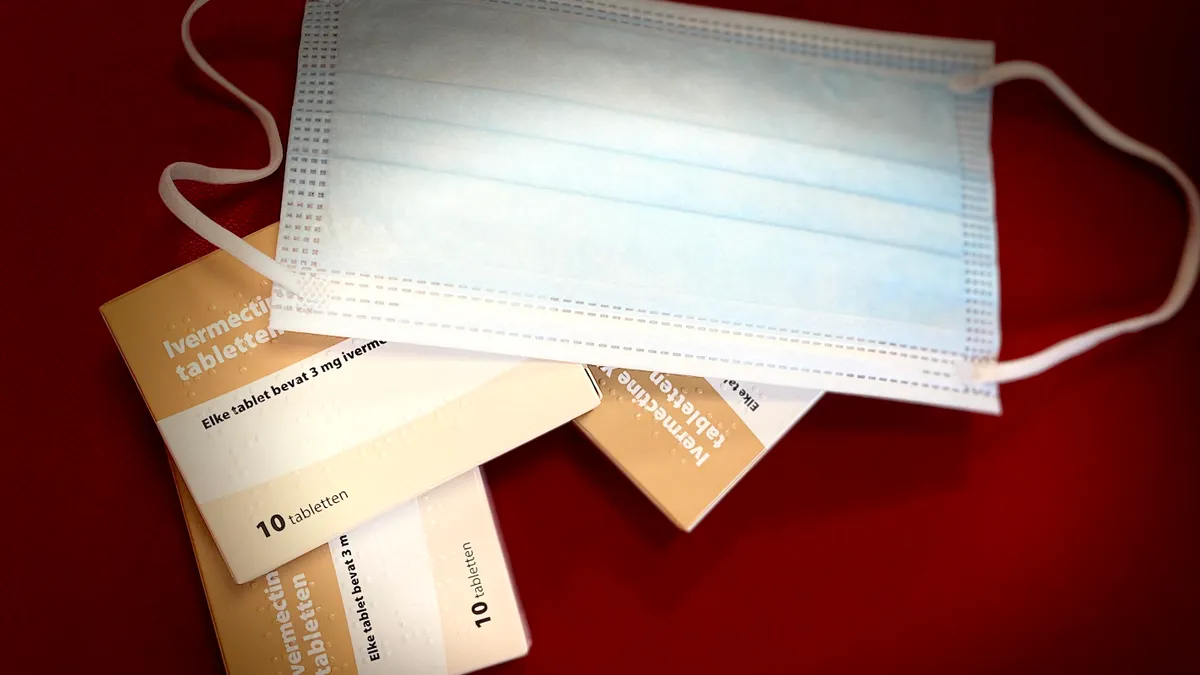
column 877, row 538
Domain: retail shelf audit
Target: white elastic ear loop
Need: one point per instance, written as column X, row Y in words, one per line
column 192, row 216
column 1185, row 278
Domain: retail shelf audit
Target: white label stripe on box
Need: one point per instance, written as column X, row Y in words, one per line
column 314, row 409
column 768, row 411
column 386, row 577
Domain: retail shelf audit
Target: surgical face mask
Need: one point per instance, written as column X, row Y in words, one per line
column 667, row 187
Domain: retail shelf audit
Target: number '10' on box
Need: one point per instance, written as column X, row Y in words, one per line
column 423, row 588
column 285, row 440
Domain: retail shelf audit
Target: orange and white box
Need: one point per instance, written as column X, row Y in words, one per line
column 686, row 441
column 286, row 440
column 423, row 588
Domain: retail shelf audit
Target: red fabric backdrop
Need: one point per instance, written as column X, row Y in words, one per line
column 876, row 538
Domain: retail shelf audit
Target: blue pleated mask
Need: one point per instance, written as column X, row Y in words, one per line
column 662, row 186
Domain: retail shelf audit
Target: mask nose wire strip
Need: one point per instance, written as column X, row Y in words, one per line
column 1185, row 278
column 192, row 216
